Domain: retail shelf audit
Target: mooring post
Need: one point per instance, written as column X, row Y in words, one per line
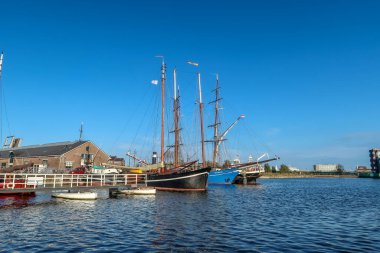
column 244, row 177
column 112, row 192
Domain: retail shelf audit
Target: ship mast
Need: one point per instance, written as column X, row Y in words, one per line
column 162, row 110
column 176, row 121
column 219, row 138
column 200, row 113
column 216, row 123
column 201, row 120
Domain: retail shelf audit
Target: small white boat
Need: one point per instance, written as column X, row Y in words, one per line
column 139, row 191
column 76, row 195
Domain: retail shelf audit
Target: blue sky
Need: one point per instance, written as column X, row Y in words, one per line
column 305, row 74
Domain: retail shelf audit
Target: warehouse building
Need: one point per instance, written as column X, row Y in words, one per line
column 327, row 167
column 58, row 156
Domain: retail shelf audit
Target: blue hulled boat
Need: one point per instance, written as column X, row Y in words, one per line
column 226, row 176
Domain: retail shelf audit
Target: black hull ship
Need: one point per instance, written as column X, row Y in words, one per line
column 176, row 176
column 192, row 180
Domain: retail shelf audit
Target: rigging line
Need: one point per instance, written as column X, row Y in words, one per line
column 126, row 123
column 197, row 137
column 251, row 137
column 151, row 115
column 155, row 123
column 179, row 135
column 140, row 124
column 151, row 129
column 154, row 130
column 258, row 140
column 231, row 108
column 1, row 110
column 225, row 154
column 6, row 111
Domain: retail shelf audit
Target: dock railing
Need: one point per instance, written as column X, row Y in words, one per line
column 10, row 182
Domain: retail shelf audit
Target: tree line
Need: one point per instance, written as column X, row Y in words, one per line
column 283, row 168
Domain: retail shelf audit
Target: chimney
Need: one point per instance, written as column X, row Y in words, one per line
column 154, row 158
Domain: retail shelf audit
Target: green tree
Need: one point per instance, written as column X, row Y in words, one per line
column 284, row 169
column 340, row 169
column 274, row 169
column 267, row 168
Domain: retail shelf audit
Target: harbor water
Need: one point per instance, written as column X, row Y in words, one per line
column 279, row 215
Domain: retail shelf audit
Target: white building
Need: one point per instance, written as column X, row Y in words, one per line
column 326, row 167
column 293, row 169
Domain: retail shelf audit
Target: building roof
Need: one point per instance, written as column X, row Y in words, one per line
column 50, row 149
column 116, row 159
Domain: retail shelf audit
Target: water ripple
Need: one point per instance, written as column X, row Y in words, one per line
column 294, row 215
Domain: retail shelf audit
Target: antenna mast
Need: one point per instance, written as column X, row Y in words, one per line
column 81, row 132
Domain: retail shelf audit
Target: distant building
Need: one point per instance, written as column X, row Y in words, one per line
column 293, row 169
column 55, row 156
column 116, row 161
column 361, row 169
column 236, row 160
column 327, row 167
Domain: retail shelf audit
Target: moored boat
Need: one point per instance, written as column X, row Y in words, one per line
column 76, row 195
column 223, row 176
column 249, row 172
column 139, row 191
column 366, row 174
column 188, row 180
column 247, row 177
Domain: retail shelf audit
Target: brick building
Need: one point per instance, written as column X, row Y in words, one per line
column 55, row 156
column 114, row 160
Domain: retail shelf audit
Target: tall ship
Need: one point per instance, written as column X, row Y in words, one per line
column 217, row 175
column 177, row 176
column 239, row 173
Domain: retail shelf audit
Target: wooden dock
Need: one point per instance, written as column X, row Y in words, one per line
column 14, row 183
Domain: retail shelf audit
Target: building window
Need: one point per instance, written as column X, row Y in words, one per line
column 68, row 165
column 3, row 165
column 87, row 157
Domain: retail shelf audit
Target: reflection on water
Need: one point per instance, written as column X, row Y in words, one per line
column 14, row 201
column 278, row 215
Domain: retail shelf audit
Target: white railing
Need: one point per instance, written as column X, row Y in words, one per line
column 11, row 181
